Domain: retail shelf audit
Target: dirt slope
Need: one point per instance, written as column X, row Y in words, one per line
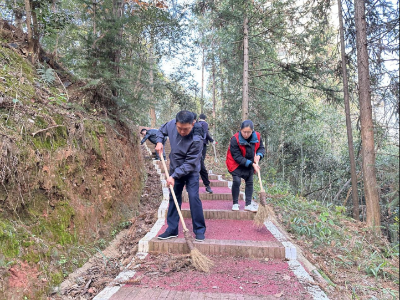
column 70, row 177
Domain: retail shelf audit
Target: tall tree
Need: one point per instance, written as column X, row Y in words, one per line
column 28, row 11
column 367, row 127
column 151, row 77
column 202, row 79
column 356, row 212
column 245, row 99
column 214, row 92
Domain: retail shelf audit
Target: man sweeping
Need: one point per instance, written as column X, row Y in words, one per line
column 186, row 150
column 151, row 135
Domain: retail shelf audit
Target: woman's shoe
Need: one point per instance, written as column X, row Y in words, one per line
column 251, row 208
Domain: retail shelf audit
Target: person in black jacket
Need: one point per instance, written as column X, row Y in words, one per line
column 151, row 135
column 186, row 142
column 245, row 151
column 207, row 138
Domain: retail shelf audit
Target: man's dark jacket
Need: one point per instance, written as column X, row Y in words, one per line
column 185, row 150
column 151, row 134
column 207, row 136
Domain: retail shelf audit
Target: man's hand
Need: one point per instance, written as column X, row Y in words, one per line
column 159, row 148
column 256, row 167
column 257, row 159
column 214, row 142
column 170, row 181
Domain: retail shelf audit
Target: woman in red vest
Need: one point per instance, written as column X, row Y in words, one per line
column 245, row 151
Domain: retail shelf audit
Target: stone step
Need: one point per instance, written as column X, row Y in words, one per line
column 216, row 183
column 219, row 193
column 224, row 237
column 213, row 177
column 132, row 292
column 219, row 210
column 222, row 214
column 239, row 248
column 223, row 196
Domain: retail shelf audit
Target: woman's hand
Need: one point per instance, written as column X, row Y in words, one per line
column 257, row 159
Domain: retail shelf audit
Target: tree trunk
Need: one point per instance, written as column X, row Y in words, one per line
column 367, row 128
column 245, row 101
column 35, row 28
column 18, row 13
column 94, row 18
column 213, row 95
column 356, row 211
column 28, row 11
column 116, row 54
column 53, row 9
column 151, row 79
column 202, row 84
column 222, row 96
column 138, row 85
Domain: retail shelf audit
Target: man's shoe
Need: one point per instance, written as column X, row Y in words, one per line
column 208, row 189
column 200, row 237
column 167, row 235
column 251, row 208
column 235, row 207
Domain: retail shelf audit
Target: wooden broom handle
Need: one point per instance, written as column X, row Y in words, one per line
column 259, row 180
column 173, row 194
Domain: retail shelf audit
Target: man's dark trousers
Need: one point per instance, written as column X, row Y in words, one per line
column 203, row 170
column 196, row 209
column 163, row 151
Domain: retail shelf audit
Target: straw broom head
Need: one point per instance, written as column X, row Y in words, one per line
column 199, row 260
column 264, row 212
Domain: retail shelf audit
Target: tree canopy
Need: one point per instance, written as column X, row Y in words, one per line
column 294, row 88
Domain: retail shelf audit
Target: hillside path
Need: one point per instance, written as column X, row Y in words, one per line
column 249, row 263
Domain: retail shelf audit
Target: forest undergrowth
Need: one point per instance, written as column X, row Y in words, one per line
column 355, row 262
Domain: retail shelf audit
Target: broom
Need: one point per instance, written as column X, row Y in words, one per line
column 264, row 211
column 200, row 261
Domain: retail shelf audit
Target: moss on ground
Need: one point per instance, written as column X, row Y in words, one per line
column 17, row 77
column 94, row 130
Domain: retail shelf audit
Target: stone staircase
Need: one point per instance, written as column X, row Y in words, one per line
column 217, row 207
column 249, row 262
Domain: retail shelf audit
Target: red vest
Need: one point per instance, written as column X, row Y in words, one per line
column 230, row 162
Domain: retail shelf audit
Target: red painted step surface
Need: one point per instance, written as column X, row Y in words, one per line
column 243, row 230
column 238, row 276
column 216, row 190
column 215, row 183
column 212, row 204
column 221, row 209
